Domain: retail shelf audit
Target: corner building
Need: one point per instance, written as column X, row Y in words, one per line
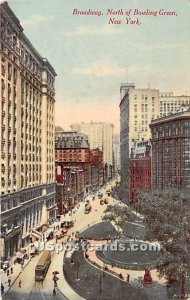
column 27, row 137
column 171, row 151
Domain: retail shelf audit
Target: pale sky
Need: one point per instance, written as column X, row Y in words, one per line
column 92, row 58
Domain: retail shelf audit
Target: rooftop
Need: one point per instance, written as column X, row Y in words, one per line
column 180, row 115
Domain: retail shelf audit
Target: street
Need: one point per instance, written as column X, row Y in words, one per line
column 28, row 290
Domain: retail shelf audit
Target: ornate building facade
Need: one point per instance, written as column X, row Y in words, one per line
column 171, row 151
column 27, row 136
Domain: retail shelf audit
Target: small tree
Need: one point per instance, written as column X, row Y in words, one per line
column 118, row 214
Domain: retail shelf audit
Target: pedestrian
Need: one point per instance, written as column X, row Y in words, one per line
column 22, row 263
column 11, row 270
column 7, row 272
column 9, row 281
column 128, row 278
column 54, row 292
column 19, row 284
column 2, row 289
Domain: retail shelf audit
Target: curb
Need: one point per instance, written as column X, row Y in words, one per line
column 62, row 293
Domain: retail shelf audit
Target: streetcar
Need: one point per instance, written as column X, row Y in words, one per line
column 42, row 266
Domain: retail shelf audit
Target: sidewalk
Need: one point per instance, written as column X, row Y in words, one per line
column 134, row 275
column 17, row 270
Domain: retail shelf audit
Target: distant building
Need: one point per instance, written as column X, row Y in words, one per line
column 27, row 182
column 79, row 169
column 70, row 187
column 100, row 135
column 171, row 151
column 97, row 168
column 116, row 152
column 140, row 169
column 170, row 104
column 72, row 149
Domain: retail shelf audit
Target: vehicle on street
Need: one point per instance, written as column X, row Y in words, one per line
column 42, row 266
column 67, row 224
column 63, row 224
column 100, row 195
column 87, row 208
column 108, row 192
column 50, row 236
column 60, row 235
column 106, row 201
column 5, row 265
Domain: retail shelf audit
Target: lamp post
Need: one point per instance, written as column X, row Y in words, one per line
column 100, row 282
column 68, row 196
column 77, row 266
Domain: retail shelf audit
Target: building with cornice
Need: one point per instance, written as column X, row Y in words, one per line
column 27, row 183
column 171, row 151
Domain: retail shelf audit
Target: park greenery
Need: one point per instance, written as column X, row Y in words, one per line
column 167, row 218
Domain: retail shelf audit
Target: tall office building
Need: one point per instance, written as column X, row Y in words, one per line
column 27, row 137
column 137, row 108
column 170, row 104
column 100, row 135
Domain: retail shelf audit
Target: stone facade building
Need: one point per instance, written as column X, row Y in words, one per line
column 170, row 103
column 27, row 136
column 171, row 151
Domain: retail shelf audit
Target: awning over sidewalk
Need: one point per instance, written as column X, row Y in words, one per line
column 19, row 255
column 68, row 219
column 36, row 236
column 39, row 234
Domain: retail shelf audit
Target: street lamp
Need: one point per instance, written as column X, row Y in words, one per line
column 77, row 265
column 100, row 283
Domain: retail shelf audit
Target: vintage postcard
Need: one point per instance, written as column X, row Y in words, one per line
column 95, row 149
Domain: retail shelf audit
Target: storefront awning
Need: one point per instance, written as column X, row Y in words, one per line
column 35, row 235
column 39, row 234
